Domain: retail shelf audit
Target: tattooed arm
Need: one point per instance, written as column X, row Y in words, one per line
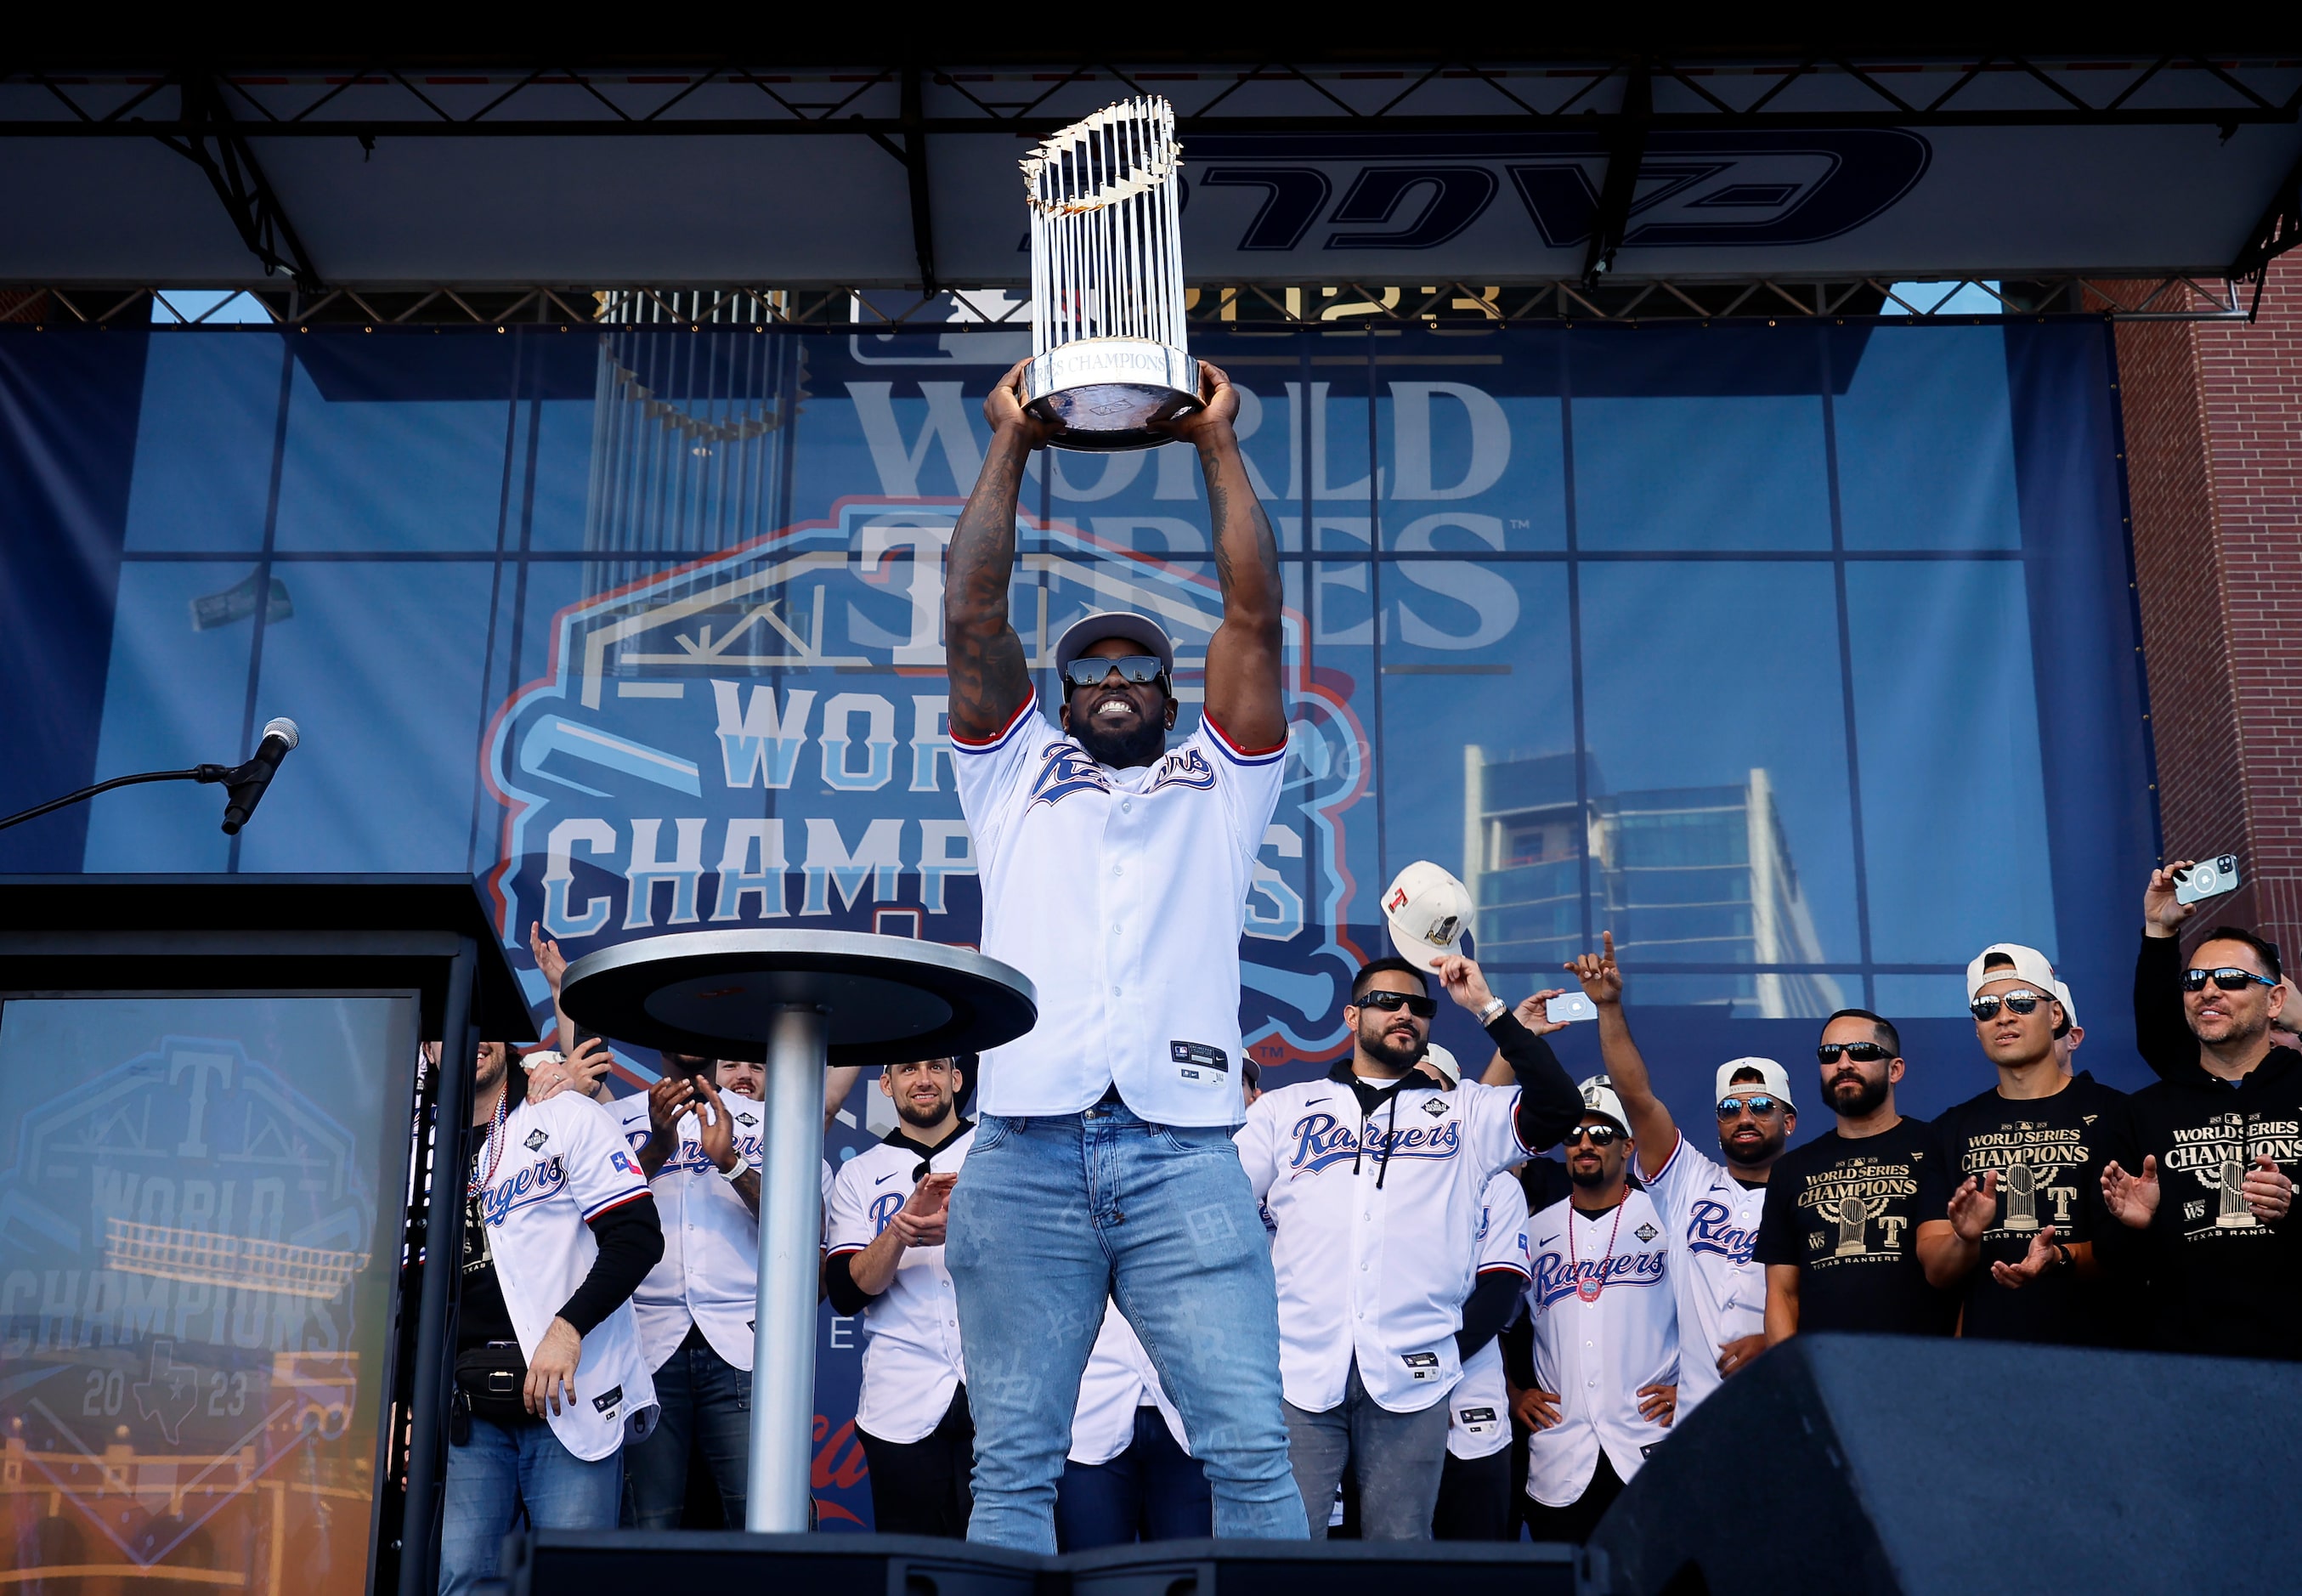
column 1243, row 690
column 988, row 678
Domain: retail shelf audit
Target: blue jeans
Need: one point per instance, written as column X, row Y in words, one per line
column 506, row 1472
column 1154, row 1491
column 1049, row 1218
column 1396, row 1457
column 706, row 1400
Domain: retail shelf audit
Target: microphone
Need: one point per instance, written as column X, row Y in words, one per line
column 244, row 787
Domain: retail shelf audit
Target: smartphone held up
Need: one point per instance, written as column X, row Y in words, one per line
column 2207, row 878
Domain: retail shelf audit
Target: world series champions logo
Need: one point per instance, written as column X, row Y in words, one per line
column 761, row 738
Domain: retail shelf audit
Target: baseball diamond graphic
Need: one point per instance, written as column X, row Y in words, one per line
column 761, row 735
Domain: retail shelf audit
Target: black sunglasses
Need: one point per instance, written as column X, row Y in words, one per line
column 1092, row 671
column 2229, row 978
column 2021, row 1000
column 1600, row 1136
column 1866, row 1052
column 1758, row 1104
column 1390, row 1002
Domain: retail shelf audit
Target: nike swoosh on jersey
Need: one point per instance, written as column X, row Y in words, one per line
column 883, row 1180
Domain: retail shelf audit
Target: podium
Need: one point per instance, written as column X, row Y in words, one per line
column 799, row 1001
column 209, row 1091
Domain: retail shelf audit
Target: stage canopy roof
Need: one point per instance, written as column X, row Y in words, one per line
column 134, row 162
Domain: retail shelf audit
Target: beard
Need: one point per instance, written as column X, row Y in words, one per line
column 1399, row 1052
column 1754, row 1155
column 921, row 1119
column 1592, row 1178
column 1857, row 1095
column 1122, row 750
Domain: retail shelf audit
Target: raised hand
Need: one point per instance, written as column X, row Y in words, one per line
column 668, row 1099
column 546, row 1079
column 1003, row 407
column 921, row 1220
column 1465, row 982
column 1529, row 1011
column 2131, row 1199
column 589, row 1064
column 2161, row 914
column 715, row 1130
column 549, row 959
column 1972, row 1207
column 1601, row 979
column 1659, row 1404
column 1218, row 406
column 2268, row 1192
column 2042, row 1256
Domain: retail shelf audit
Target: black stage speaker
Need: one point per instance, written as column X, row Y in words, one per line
column 641, row 1563
column 1892, row 1464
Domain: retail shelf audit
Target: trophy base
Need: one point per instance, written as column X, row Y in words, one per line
column 1106, row 394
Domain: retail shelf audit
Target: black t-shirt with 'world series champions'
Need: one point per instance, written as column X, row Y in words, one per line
column 1846, row 1211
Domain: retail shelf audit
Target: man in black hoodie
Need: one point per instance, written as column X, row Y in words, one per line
column 2220, row 1136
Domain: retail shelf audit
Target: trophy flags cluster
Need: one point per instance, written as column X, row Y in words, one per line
column 1108, row 352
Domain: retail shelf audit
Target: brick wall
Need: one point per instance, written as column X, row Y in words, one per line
column 2213, row 459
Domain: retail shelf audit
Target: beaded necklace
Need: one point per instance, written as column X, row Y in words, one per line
column 475, row 1183
column 1591, row 1291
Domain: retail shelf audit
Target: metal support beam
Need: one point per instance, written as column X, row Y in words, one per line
column 213, row 141
column 915, row 165
column 1627, row 145
column 2278, row 230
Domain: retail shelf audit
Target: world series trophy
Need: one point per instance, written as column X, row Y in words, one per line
column 2021, row 1197
column 1108, row 343
column 2234, row 1214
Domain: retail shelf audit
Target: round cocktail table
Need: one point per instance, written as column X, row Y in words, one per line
column 799, row 1002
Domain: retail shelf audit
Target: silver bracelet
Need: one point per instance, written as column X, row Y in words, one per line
column 1495, row 1006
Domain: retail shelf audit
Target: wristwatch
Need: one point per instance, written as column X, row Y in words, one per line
column 1495, row 1006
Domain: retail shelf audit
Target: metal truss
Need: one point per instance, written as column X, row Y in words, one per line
column 1243, row 306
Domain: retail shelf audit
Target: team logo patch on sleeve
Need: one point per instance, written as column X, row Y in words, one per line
column 623, row 1162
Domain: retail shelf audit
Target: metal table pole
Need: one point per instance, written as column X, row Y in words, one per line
column 791, row 1229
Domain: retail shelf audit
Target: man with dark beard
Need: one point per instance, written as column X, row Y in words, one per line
column 885, row 1231
column 1711, row 1210
column 1606, row 1330
column 1839, row 1238
column 1375, row 1178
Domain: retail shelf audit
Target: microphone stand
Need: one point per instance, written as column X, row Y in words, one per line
column 202, row 773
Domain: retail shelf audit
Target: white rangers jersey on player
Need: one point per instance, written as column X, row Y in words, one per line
column 1118, row 1380
column 1478, row 1409
column 1713, row 1220
column 709, row 1276
column 1374, row 1249
column 1596, row 1353
column 1122, row 893
column 561, row 1165
column 912, row 1359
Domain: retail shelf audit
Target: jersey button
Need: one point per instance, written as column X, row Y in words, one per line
column 1127, row 806
column 1119, row 869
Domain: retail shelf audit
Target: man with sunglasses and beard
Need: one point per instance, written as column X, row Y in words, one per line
column 1710, row 1209
column 2019, row 1182
column 1839, row 1237
column 1115, row 873
column 886, row 1228
column 1606, row 1330
column 2208, row 1212
column 1374, row 1176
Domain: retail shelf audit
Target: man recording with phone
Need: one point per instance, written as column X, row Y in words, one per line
column 2220, row 1135
column 885, row 1225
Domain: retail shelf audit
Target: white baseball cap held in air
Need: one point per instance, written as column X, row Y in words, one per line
column 1084, row 634
column 1772, row 1077
column 1599, row 1097
column 2022, row 964
column 1428, row 911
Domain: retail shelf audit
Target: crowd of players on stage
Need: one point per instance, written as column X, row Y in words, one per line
column 1477, row 1338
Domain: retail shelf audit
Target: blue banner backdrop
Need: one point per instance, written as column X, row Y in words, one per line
column 1802, row 658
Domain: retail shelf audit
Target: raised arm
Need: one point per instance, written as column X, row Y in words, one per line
column 1243, row 690
column 989, row 680
column 1650, row 1122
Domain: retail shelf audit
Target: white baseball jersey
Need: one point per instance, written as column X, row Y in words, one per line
column 912, row 1360
column 1596, row 1355
column 1375, row 1251
column 1478, row 1409
column 1122, row 893
column 562, row 1164
column 1118, row 1380
column 1713, row 1220
column 709, row 1276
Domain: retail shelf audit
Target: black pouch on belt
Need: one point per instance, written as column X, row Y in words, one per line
column 489, row 1378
